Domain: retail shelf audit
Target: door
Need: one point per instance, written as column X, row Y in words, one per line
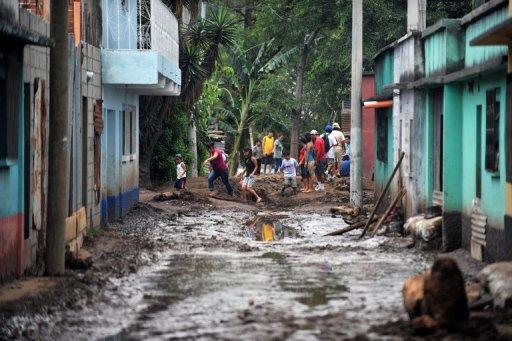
column 112, row 165
column 438, row 139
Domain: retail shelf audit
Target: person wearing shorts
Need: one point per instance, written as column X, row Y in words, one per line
column 302, row 161
column 321, row 162
column 249, row 173
column 181, row 173
column 289, row 168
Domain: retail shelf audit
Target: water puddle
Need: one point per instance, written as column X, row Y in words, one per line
column 267, row 230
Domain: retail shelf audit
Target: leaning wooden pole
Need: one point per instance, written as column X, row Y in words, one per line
column 388, row 212
column 58, row 144
column 382, row 195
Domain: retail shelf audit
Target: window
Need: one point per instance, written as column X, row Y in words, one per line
column 492, row 132
column 10, row 78
column 382, row 135
column 129, row 130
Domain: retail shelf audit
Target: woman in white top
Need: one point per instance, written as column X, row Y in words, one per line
column 181, row 173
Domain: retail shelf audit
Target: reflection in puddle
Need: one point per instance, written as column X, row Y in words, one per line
column 268, row 231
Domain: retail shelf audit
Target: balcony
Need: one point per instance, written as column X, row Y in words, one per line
column 141, row 47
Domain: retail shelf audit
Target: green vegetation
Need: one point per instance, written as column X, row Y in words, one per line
column 259, row 65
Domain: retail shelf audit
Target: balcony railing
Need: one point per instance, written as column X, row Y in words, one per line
column 157, row 29
column 141, row 25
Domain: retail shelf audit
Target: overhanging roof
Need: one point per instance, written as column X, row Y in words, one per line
column 498, row 35
column 22, row 35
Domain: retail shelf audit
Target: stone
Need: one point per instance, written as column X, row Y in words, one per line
column 497, row 279
column 445, row 295
column 412, row 293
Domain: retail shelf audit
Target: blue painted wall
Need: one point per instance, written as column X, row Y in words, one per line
column 119, row 174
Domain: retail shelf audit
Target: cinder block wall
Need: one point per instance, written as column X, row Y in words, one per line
column 36, row 65
column 91, row 89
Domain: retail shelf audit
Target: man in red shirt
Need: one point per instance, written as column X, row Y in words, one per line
column 219, row 168
column 321, row 162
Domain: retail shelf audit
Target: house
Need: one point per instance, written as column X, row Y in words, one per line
column 457, row 143
column 140, row 56
column 24, row 75
column 399, row 117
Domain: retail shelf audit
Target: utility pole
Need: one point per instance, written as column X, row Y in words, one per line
column 58, row 149
column 356, row 190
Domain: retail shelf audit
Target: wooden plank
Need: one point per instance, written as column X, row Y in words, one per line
column 71, row 227
column 478, row 229
column 478, row 241
column 81, row 219
column 478, row 235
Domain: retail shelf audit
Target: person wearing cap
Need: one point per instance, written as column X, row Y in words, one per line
column 181, row 173
column 330, row 144
column 339, row 147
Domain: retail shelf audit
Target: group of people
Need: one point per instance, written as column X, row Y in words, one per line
column 321, row 158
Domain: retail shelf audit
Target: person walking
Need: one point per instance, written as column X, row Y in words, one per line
column 181, row 173
column 257, row 152
column 219, row 168
column 289, row 168
column 278, row 152
column 250, row 164
column 268, row 152
column 339, row 147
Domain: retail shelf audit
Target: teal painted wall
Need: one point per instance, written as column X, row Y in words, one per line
column 383, row 71
column 476, row 55
column 452, row 147
column 11, row 177
column 435, row 53
column 493, row 184
column 383, row 170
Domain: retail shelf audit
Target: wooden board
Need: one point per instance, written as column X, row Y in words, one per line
column 71, row 228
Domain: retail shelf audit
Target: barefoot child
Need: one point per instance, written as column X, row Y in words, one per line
column 289, row 168
column 251, row 165
column 181, row 173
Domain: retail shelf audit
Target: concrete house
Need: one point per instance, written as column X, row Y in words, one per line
column 399, row 113
column 24, row 75
column 465, row 135
column 140, row 56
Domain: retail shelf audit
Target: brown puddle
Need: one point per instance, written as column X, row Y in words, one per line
column 266, row 230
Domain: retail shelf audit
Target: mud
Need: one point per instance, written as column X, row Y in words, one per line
column 204, row 270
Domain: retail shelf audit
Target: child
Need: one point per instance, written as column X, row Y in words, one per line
column 302, row 162
column 289, row 168
column 251, row 166
column 181, row 173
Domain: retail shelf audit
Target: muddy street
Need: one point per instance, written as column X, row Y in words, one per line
column 230, row 272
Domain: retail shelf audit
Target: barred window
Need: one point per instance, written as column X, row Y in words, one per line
column 492, row 130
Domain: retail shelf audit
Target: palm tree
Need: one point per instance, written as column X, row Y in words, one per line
column 199, row 52
column 249, row 66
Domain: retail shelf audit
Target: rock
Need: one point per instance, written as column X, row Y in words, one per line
column 437, row 297
column 445, row 295
column 497, row 279
column 426, row 229
column 412, row 293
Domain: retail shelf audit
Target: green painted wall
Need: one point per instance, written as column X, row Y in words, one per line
column 452, row 148
column 493, row 195
column 435, row 53
column 383, row 170
column 476, row 55
column 383, row 70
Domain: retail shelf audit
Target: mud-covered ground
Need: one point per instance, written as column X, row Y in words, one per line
column 200, row 268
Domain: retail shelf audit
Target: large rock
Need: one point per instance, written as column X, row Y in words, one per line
column 497, row 279
column 437, row 297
